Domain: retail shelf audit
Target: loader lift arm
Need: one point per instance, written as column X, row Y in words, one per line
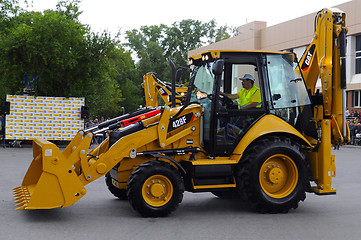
column 58, row 178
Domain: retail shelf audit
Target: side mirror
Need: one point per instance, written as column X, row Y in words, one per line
column 217, row 68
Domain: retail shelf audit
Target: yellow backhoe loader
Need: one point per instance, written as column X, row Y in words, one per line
column 270, row 155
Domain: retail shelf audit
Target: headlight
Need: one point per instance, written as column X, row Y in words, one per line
column 205, row 57
column 201, row 95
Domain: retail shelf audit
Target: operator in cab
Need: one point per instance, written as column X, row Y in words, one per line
column 249, row 96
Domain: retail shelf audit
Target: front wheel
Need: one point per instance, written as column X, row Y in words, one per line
column 155, row 189
column 117, row 192
column 273, row 175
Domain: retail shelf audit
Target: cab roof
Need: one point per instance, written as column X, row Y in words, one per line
column 217, row 53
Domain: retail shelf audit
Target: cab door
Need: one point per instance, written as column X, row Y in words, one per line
column 229, row 122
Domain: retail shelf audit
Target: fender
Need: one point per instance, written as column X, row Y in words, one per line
column 266, row 125
column 157, row 156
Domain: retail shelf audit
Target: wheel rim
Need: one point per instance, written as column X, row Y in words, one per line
column 278, row 176
column 157, row 190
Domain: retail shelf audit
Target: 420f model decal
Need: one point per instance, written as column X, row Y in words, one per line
column 180, row 121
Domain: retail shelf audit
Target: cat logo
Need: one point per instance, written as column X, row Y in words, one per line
column 306, row 64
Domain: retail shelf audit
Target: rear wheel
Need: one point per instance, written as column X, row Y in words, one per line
column 117, row 192
column 273, row 175
column 155, row 189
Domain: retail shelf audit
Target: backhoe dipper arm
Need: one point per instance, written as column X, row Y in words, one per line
column 153, row 86
column 322, row 59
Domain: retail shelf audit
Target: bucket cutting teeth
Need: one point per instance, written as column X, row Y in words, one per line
column 21, row 197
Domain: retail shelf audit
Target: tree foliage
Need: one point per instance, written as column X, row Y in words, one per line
column 154, row 45
column 8, row 8
column 68, row 59
column 64, row 55
column 146, row 42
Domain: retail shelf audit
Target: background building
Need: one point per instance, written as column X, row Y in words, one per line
column 295, row 35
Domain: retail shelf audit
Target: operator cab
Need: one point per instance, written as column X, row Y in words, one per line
column 225, row 122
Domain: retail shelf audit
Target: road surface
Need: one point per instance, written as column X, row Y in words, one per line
column 99, row 215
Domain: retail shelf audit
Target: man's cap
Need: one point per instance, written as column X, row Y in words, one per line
column 247, row 77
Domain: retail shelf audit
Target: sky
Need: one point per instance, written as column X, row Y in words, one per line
column 112, row 15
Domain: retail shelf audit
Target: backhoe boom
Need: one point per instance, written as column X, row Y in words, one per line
column 324, row 60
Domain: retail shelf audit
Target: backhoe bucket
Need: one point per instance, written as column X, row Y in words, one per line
column 51, row 180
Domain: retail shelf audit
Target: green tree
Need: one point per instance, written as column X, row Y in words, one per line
column 8, row 8
column 153, row 45
column 183, row 36
column 123, row 71
column 65, row 56
column 69, row 8
column 69, row 60
column 147, row 44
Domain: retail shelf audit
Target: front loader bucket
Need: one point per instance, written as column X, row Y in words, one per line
column 51, row 180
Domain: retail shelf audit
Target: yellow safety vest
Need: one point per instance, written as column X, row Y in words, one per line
column 246, row 97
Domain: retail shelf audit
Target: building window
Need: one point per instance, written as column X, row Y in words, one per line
column 358, row 54
column 357, row 98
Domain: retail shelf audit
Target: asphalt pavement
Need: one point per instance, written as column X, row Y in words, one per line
column 99, row 215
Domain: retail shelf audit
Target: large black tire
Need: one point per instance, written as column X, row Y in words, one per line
column 273, row 175
column 117, row 192
column 155, row 189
